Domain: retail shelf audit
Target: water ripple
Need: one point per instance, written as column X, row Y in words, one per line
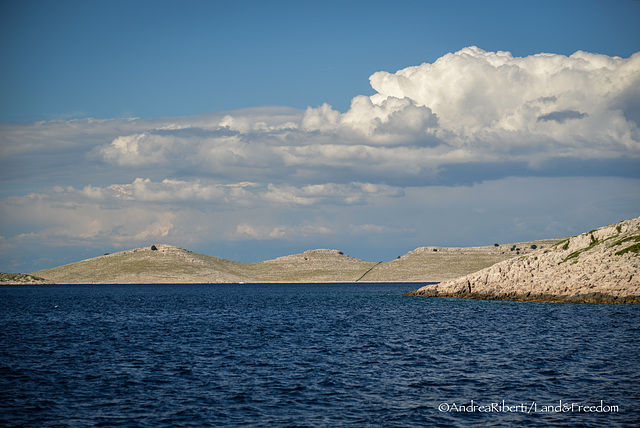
column 306, row 356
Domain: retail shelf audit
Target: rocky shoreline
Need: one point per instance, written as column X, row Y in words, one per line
column 602, row 265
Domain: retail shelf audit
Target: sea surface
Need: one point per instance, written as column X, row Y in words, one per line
column 310, row 355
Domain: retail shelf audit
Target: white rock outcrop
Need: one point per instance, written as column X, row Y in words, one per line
column 598, row 266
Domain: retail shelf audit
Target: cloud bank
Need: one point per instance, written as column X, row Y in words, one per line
column 468, row 108
column 468, row 118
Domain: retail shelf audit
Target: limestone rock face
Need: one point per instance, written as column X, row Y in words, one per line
column 598, row 266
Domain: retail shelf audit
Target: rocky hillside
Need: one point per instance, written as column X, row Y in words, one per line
column 147, row 265
column 598, row 266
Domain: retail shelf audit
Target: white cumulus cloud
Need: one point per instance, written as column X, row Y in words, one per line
column 477, row 95
column 470, row 107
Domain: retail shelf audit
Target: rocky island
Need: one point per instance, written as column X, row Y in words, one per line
column 602, row 265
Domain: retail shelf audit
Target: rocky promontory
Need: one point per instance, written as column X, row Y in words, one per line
column 602, row 265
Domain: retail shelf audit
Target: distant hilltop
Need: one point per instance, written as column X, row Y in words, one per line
column 597, row 266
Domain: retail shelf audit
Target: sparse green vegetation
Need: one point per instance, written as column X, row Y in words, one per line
column 564, row 243
column 635, row 248
column 635, row 238
column 575, row 254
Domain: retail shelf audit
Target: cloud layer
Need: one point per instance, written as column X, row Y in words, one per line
column 468, row 108
column 280, row 173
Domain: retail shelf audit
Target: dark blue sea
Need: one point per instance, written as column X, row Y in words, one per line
column 310, row 355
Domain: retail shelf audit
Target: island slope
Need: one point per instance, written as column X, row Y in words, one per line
column 602, row 265
column 168, row 264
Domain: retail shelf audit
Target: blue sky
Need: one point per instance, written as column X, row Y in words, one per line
column 252, row 129
column 112, row 59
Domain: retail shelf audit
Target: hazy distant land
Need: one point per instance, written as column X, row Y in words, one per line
column 601, row 265
column 170, row 264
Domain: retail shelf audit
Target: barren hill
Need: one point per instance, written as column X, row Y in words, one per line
column 147, row 265
column 602, row 265
column 313, row 266
column 170, row 264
